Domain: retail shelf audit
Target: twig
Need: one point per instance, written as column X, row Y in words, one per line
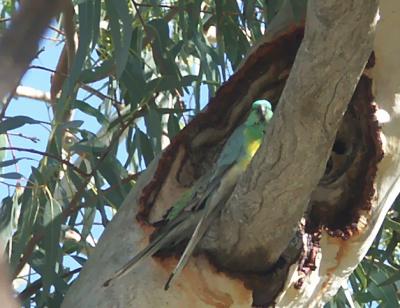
column 82, row 85
column 42, row 68
column 117, row 104
column 56, row 30
column 63, row 161
column 19, row 43
column 67, row 55
column 13, row 155
column 12, row 93
column 5, row 19
column 33, row 139
column 52, row 39
column 149, row 36
column 17, row 185
column 73, row 205
column 131, row 177
column 135, row 4
column 34, row 287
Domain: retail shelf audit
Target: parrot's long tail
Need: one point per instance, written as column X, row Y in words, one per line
column 209, row 213
column 198, row 234
column 192, row 223
column 172, row 234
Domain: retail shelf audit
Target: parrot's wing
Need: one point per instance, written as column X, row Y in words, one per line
column 231, row 151
column 183, row 224
column 177, row 229
column 219, row 189
column 217, row 194
column 195, row 217
column 190, row 199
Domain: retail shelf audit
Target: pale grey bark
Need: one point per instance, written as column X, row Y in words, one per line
column 265, row 208
column 339, row 258
column 273, row 194
column 6, row 293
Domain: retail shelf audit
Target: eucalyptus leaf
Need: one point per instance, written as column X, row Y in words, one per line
column 119, row 12
column 89, row 110
column 10, row 162
column 9, row 215
column 11, row 176
column 16, row 122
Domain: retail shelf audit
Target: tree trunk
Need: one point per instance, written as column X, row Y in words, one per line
column 282, row 182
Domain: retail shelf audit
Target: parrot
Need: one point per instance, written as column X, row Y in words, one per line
column 192, row 214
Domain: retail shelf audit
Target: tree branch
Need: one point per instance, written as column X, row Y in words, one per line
column 28, row 92
column 6, row 294
column 59, row 159
column 275, row 191
column 312, row 94
column 19, row 43
column 68, row 53
column 34, row 287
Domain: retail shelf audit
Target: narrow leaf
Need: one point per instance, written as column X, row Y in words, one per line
column 16, row 122
column 11, row 176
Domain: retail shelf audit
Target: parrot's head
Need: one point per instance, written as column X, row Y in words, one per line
column 260, row 114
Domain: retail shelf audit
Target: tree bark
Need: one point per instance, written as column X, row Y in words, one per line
column 276, row 189
column 6, row 293
column 315, row 98
column 338, row 258
column 18, row 45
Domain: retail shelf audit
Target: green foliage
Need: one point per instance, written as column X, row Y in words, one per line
column 15, row 122
column 376, row 280
column 145, row 69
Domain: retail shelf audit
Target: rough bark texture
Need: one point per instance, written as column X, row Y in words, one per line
column 276, row 189
column 338, row 258
column 306, row 110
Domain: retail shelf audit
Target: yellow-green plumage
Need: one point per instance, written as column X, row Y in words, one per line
column 192, row 215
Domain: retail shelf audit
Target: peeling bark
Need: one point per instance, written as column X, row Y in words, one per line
column 276, row 189
column 297, row 117
column 338, row 258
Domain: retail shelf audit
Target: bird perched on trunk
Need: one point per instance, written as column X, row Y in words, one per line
column 191, row 216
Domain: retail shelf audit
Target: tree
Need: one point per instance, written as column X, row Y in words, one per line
column 320, row 177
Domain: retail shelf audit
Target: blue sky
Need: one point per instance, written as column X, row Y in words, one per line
column 39, row 110
column 38, row 79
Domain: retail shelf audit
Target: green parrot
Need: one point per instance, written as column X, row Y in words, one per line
column 191, row 216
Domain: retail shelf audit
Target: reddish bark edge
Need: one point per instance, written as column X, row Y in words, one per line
column 341, row 223
column 374, row 149
column 257, row 64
